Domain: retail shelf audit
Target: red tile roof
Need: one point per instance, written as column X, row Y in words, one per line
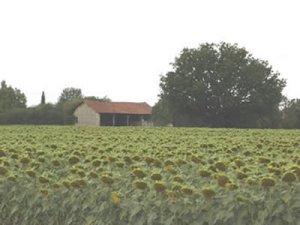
column 119, row 107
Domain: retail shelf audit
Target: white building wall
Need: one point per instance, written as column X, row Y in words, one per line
column 86, row 116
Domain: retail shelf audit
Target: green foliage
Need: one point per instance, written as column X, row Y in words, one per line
column 43, row 99
column 13, row 108
column 221, row 85
column 42, row 114
column 69, row 99
column 104, row 99
column 223, row 176
column 160, row 114
column 69, row 106
column 69, row 95
column 11, row 98
column 291, row 114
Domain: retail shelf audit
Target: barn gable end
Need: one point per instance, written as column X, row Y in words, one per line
column 86, row 115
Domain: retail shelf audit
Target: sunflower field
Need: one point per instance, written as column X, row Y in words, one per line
column 52, row 175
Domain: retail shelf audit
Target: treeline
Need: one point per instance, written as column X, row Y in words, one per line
column 47, row 114
column 222, row 85
column 13, row 109
column 214, row 85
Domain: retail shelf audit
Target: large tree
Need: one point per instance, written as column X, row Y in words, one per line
column 95, row 98
column 70, row 94
column 160, row 114
column 291, row 114
column 69, row 99
column 221, row 85
column 11, row 98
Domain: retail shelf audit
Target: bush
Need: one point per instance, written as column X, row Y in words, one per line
column 44, row 114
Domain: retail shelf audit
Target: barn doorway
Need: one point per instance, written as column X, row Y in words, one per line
column 109, row 119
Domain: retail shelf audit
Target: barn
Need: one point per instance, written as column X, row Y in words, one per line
column 99, row 113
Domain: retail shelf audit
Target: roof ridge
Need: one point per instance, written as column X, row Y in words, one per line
column 114, row 102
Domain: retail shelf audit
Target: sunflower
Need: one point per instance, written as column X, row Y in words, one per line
column 116, row 197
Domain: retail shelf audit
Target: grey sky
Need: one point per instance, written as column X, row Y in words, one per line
column 119, row 48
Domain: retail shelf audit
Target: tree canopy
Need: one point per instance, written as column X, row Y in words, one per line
column 13, row 108
column 221, row 85
column 11, row 98
column 291, row 114
column 95, row 98
column 70, row 94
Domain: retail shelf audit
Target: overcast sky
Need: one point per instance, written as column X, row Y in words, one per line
column 120, row 48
